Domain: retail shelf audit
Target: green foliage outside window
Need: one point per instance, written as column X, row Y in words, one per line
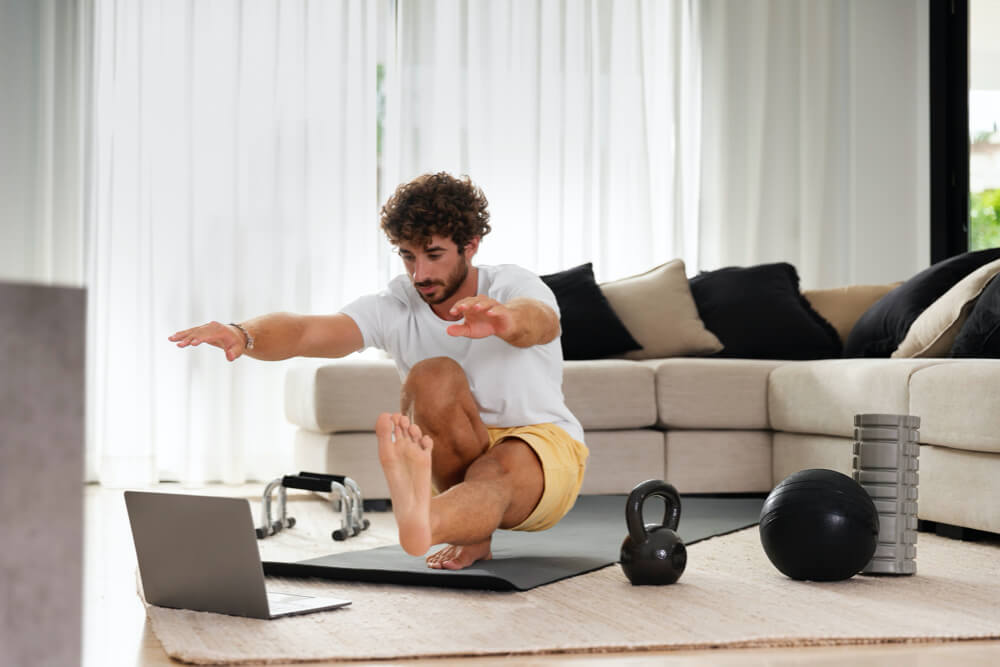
column 984, row 219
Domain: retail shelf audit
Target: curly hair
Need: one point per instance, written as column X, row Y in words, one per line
column 436, row 205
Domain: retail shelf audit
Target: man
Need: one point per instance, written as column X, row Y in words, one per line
column 482, row 419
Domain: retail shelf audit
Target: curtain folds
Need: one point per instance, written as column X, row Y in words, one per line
column 237, row 172
column 45, row 79
column 578, row 119
column 815, row 139
column 238, row 151
column 234, row 175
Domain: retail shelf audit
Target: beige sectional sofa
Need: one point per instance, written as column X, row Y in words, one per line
column 709, row 425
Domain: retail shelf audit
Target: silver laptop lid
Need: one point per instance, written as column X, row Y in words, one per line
column 197, row 552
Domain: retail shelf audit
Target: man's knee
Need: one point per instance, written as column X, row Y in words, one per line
column 433, row 380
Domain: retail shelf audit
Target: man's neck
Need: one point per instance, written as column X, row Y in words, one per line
column 470, row 287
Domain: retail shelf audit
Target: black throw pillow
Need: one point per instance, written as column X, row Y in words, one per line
column 880, row 330
column 758, row 312
column 590, row 327
column 980, row 335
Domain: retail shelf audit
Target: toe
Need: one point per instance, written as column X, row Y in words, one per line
column 426, row 443
column 399, row 432
column 415, row 433
column 383, row 425
column 459, row 562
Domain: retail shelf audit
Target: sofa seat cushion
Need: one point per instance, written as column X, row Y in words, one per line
column 822, row 397
column 607, row 394
column 349, row 395
column 346, row 395
column 957, row 404
column 712, row 393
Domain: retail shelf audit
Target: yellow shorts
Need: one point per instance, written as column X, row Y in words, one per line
column 564, row 461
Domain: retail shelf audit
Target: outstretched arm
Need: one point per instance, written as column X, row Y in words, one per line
column 279, row 336
column 522, row 322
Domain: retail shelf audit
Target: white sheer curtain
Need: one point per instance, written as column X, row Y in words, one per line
column 580, row 120
column 234, row 174
column 231, row 168
column 815, row 137
column 45, row 79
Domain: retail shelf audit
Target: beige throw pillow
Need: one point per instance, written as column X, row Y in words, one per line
column 658, row 310
column 843, row 306
column 934, row 331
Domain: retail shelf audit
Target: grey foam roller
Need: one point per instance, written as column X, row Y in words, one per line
column 886, row 451
column 875, row 455
column 886, row 477
column 890, row 551
column 881, row 433
column 875, row 419
column 895, row 506
column 891, row 492
column 891, row 566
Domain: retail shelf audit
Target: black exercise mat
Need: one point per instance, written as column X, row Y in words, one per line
column 587, row 539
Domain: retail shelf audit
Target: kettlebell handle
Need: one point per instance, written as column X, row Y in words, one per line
column 633, row 507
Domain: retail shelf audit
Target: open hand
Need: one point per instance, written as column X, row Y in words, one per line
column 483, row 317
column 222, row 336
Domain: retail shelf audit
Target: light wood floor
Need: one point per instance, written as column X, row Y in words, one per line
column 116, row 631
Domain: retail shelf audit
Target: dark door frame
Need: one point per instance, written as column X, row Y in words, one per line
column 949, row 127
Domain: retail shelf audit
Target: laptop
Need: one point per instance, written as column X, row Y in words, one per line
column 200, row 553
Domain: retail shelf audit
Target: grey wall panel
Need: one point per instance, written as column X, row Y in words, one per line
column 41, row 473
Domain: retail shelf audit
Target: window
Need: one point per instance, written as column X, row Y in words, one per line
column 984, row 124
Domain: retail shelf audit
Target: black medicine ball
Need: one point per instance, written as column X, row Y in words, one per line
column 819, row 525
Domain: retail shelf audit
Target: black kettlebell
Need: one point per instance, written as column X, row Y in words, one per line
column 653, row 554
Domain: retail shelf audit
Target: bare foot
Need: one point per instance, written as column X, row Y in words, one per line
column 456, row 557
column 405, row 454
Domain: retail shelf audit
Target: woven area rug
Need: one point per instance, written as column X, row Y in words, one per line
column 729, row 596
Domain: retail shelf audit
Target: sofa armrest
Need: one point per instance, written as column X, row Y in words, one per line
column 342, row 395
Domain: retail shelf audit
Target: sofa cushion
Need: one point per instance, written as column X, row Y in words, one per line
column 822, row 397
column 712, row 393
column 590, row 328
column 934, row 331
column 349, row 395
column 884, row 326
column 980, row 335
column 610, row 393
column 957, row 404
column 658, row 310
column 758, row 313
column 343, row 396
column 842, row 306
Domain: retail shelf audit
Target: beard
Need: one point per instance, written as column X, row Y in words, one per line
column 449, row 286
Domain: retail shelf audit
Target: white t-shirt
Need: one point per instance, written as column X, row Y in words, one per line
column 513, row 386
